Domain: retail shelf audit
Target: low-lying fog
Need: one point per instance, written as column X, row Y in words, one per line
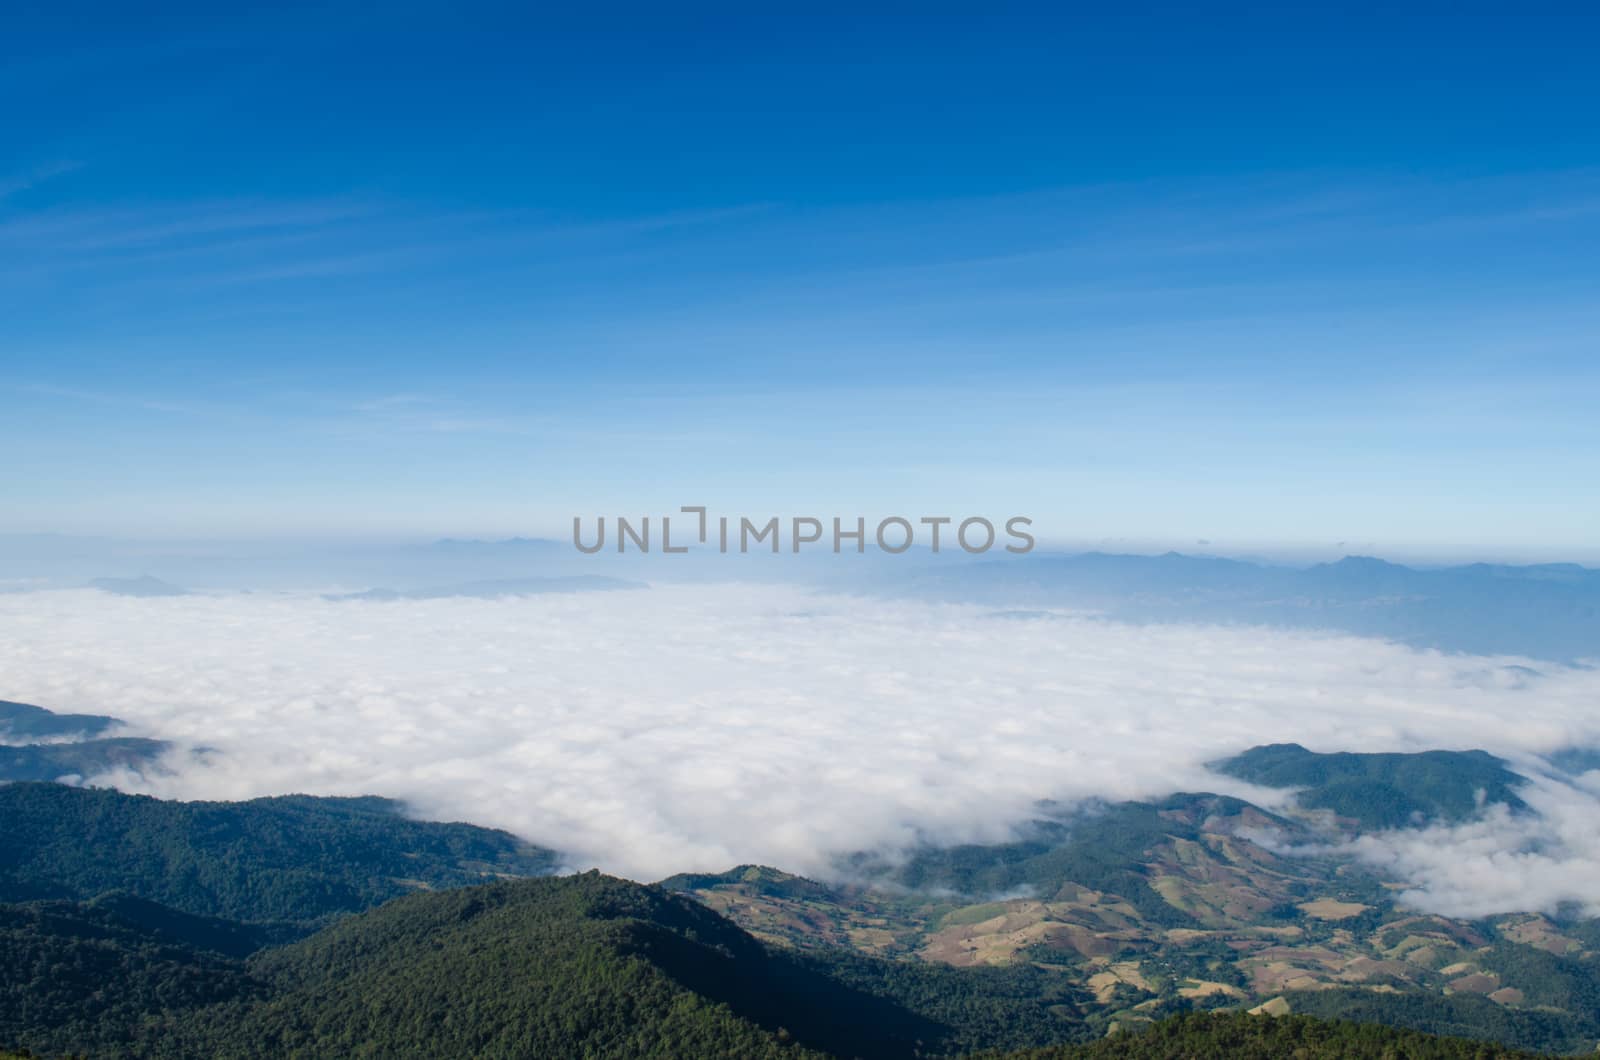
column 655, row 731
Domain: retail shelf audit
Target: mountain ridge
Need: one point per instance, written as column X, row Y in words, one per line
column 1541, row 611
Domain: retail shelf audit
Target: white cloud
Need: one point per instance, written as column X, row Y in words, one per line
column 695, row 728
column 1502, row 862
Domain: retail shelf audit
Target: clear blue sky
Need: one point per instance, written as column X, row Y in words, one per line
column 1161, row 278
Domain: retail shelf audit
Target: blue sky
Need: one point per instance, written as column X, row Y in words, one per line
column 1161, row 279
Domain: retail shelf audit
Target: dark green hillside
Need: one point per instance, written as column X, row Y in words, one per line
column 86, row 758
column 72, row 745
column 14, row 888
column 1381, row 790
column 23, row 722
column 760, row 877
column 1239, row 1037
column 228, row 937
column 76, row 977
column 296, row 858
column 1460, row 1015
column 585, row 966
column 1005, row 1007
column 594, row 966
column 1548, row 980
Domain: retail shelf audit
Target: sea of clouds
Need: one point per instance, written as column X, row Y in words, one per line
column 695, row 728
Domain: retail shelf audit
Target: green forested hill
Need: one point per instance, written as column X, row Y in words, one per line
column 1461, row 1015
column 1199, row 1036
column 83, row 758
column 80, row 977
column 295, row 859
column 1381, row 790
column 579, row 966
column 38, row 744
column 24, row 722
column 594, row 966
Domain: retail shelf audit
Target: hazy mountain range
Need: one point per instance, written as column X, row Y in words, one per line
column 498, row 589
column 1546, row 611
column 1543, row 611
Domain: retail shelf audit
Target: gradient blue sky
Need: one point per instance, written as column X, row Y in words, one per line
column 1251, row 279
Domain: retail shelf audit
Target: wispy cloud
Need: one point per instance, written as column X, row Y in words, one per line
column 32, row 178
column 78, row 232
column 120, row 400
column 194, row 245
column 407, row 413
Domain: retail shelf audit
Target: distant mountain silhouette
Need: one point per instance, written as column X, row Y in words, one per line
column 1382, row 790
column 36, row 744
column 1546, row 611
column 83, row 759
column 145, row 586
column 25, row 723
column 492, row 590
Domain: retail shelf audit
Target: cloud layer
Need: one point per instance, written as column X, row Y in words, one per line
column 1502, row 862
column 696, row 728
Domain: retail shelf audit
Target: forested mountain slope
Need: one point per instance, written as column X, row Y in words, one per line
column 1238, row 1037
column 561, row 966
column 294, row 859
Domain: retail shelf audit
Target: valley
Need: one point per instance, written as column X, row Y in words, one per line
column 309, row 926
